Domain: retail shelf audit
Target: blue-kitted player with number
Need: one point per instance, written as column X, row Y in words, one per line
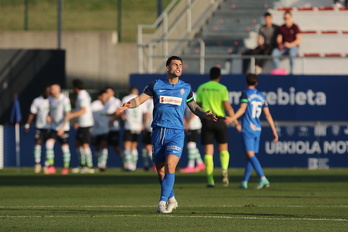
column 252, row 103
column 170, row 96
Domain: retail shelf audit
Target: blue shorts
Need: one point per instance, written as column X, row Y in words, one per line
column 167, row 142
column 251, row 141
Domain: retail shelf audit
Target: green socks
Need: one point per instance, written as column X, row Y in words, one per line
column 209, row 167
column 224, row 159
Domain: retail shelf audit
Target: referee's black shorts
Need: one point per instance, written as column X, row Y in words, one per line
column 214, row 130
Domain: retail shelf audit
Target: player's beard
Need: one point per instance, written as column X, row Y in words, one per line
column 175, row 74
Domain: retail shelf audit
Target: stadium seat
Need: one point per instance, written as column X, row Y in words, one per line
column 234, row 26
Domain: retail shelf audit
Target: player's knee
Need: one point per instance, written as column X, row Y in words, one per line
column 50, row 144
column 85, row 145
column 65, row 148
column 171, row 166
column 191, row 145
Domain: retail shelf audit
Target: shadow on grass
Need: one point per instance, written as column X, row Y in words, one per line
column 135, row 178
column 150, row 211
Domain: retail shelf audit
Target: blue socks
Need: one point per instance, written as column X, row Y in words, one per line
column 257, row 166
column 247, row 172
column 167, row 185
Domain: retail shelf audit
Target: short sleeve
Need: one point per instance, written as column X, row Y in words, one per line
column 296, row 29
column 261, row 31
column 67, row 105
column 149, row 90
column 243, row 98
column 198, row 95
column 113, row 105
column 225, row 96
column 33, row 107
column 190, row 97
column 265, row 104
column 82, row 101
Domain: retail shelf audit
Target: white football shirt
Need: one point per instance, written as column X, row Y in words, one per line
column 148, row 109
column 134, row 116
column 112, row 105
column 101, row 120
column 84, row 100
column 58, row 108
column 40, row 107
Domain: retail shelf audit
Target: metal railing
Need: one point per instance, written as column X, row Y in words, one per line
column 175, row 28
column 202, row 59
column 180, row 20
column 151, row 57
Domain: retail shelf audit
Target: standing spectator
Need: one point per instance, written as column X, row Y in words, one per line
column 193, row 128
column 147, row 133
column 112, row 104
column 39, row 110
column 252, row 103
column 266, row 42
column 213, row 96
column 100, row 130
column 170, row 96
column 288, row 39
column 84, row 124
column 133, row 127
column 59, row 112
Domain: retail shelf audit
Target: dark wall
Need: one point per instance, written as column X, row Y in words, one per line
column 25, row 72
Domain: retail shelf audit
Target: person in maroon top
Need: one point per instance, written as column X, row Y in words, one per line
column 288, row 39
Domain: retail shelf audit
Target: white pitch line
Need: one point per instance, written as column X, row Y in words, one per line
column 184, row 216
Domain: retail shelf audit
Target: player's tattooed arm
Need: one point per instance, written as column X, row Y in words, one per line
column 197, row 110
column 133, row 103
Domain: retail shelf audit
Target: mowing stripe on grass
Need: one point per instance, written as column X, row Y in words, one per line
column 189, row 206
column 184, row 216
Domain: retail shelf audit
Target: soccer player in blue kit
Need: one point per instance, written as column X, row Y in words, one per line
column 252, row 102
column 170, row 96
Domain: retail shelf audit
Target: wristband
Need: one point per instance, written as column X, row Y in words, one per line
column 26, row 126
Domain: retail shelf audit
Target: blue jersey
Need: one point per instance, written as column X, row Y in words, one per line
column 251, row 118
column 169, row 102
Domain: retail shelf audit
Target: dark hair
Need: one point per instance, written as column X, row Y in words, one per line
column 133, row 87
column 44, row 88
column 267, row 14
column 101, row 92
column 251, row 79
column 44, row 91
column 77, row 83
column 108, row 87
column 215, row 73
column 172, row 58
column 54, row 83
column 287, row 12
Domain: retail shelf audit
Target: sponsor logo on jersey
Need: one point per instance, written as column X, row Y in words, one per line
column 170, row 100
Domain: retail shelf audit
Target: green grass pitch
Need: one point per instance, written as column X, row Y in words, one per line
column 298, row 200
